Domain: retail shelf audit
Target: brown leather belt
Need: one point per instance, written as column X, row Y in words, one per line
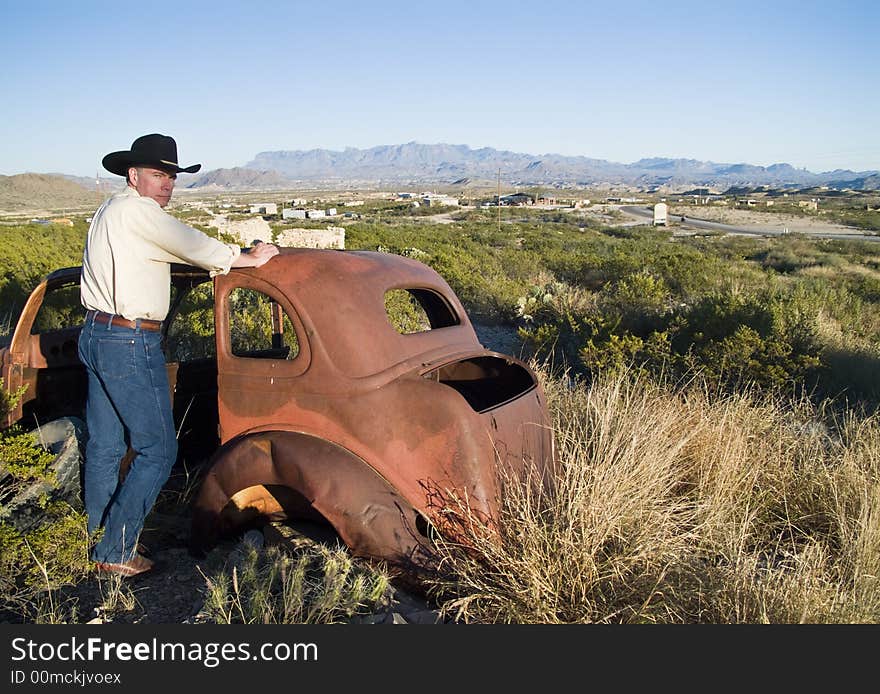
column 120, row 322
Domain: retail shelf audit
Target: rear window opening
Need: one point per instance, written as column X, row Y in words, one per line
column 485, row 382
column 418, row 310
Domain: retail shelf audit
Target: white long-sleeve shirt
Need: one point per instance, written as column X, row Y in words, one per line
column 129, row 248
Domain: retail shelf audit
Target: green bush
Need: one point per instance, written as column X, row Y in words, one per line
column 55, row 551
column 31, row 251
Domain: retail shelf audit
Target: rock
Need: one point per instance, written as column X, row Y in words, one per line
column 64, row 438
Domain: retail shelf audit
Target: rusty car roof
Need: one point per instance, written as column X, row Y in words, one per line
column 340, row 297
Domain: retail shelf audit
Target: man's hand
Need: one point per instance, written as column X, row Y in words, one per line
column 257, row 256
column 262, row 252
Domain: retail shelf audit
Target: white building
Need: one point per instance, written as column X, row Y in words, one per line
column 434, row 199
column 331, row 237
column 264, row 208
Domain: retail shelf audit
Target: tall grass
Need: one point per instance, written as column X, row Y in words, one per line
column 675, row 504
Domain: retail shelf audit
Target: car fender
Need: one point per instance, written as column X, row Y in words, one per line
column 283, row 474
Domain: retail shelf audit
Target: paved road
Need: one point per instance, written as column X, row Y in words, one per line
column 692, row 222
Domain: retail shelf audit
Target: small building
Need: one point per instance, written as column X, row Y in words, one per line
column 331, row 237
column 315, row 214
column 518, row 199
column 264, row 208
column 290, row 213
column 429, row 199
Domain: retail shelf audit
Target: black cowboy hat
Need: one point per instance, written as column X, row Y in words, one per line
column 159, row 151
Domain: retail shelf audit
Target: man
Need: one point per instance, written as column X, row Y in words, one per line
column 126, row 287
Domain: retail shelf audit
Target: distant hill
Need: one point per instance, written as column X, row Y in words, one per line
column 869, row 182
column 43, row 192
column 416, row 163
column 238, row 178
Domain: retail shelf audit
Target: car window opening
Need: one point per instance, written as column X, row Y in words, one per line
column 418, row 310
column 259, row 328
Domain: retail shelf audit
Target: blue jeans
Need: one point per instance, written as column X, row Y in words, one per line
column 128, row 404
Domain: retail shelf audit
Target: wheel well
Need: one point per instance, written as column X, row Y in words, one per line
column 289, row 475
column 266, row 503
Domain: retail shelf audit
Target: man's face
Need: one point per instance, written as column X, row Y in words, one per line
column 153, row 183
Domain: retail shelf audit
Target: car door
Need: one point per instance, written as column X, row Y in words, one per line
column 41, row 357
column 261, row 351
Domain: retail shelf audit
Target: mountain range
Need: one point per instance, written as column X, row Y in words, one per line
column 414, row 163
column 456, row 167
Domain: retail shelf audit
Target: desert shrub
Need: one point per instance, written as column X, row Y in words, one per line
column 52, row 553
column 869, row 220
column 638, row 302
column 191, row 332
column 557, row 319
column 766, row 338
column 866, row 287
column 637, row 232
column 786, row 260
column 480, row 282
column 852, row 313
column 9, row 399
column 29, row 252
column 615, row 353
column 49, row 555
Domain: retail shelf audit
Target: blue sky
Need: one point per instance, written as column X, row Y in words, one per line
column 794, row 82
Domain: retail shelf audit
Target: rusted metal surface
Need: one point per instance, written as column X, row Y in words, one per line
column 27, row 360
column 365, row 425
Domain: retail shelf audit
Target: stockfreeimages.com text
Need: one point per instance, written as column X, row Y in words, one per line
column 208, row 654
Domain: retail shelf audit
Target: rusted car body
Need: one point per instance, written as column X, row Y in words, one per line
column 317, row 403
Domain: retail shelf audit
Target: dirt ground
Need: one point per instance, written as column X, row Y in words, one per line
column 758, row 220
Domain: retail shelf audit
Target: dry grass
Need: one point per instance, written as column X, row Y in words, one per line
column 677, row 505
column 318, row 585
column 671, row 504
